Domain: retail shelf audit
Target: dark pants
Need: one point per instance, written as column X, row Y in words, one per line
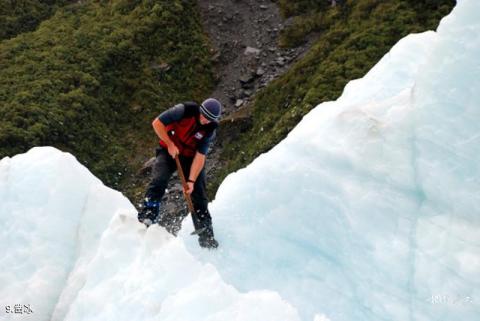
column 163, row 168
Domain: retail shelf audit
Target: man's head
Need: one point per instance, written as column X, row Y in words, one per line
column 210, row 110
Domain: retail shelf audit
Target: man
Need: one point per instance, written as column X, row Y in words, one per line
column 184, row 130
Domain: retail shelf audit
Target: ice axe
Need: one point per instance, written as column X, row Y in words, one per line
column 187, row 197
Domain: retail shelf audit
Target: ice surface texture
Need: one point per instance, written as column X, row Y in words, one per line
column 74, row 250
column 52, row 211
column 368, row 210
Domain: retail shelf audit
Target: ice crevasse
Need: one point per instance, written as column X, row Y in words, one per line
column 368, row 210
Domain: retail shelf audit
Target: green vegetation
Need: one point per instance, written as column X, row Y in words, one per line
column 352, row 37
column 18, row 16
column 90, row 79
column 88, row 76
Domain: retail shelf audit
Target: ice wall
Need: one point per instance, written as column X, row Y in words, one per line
column 52, row 213
column 74, row 250
column 370, row 208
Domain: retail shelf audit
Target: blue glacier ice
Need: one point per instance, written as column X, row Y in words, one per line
column 368, row 210
column 74, row 250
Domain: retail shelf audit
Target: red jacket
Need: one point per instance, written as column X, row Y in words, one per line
column 187, row 133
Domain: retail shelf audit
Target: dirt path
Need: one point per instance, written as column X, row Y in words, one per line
column 245, row 36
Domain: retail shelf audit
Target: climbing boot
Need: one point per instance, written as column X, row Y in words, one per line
column 206, row 238
column 202, row 221
column 148, row 213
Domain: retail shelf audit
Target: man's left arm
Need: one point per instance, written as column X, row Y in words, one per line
column 198, row 161
column 195, row 169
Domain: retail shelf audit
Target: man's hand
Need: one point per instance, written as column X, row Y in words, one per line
column 161, row 132
column 189, row 188
column 173, row 150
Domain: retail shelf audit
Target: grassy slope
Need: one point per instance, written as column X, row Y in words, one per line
column 90, row 79
column 18, row 16
column 352, row 38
